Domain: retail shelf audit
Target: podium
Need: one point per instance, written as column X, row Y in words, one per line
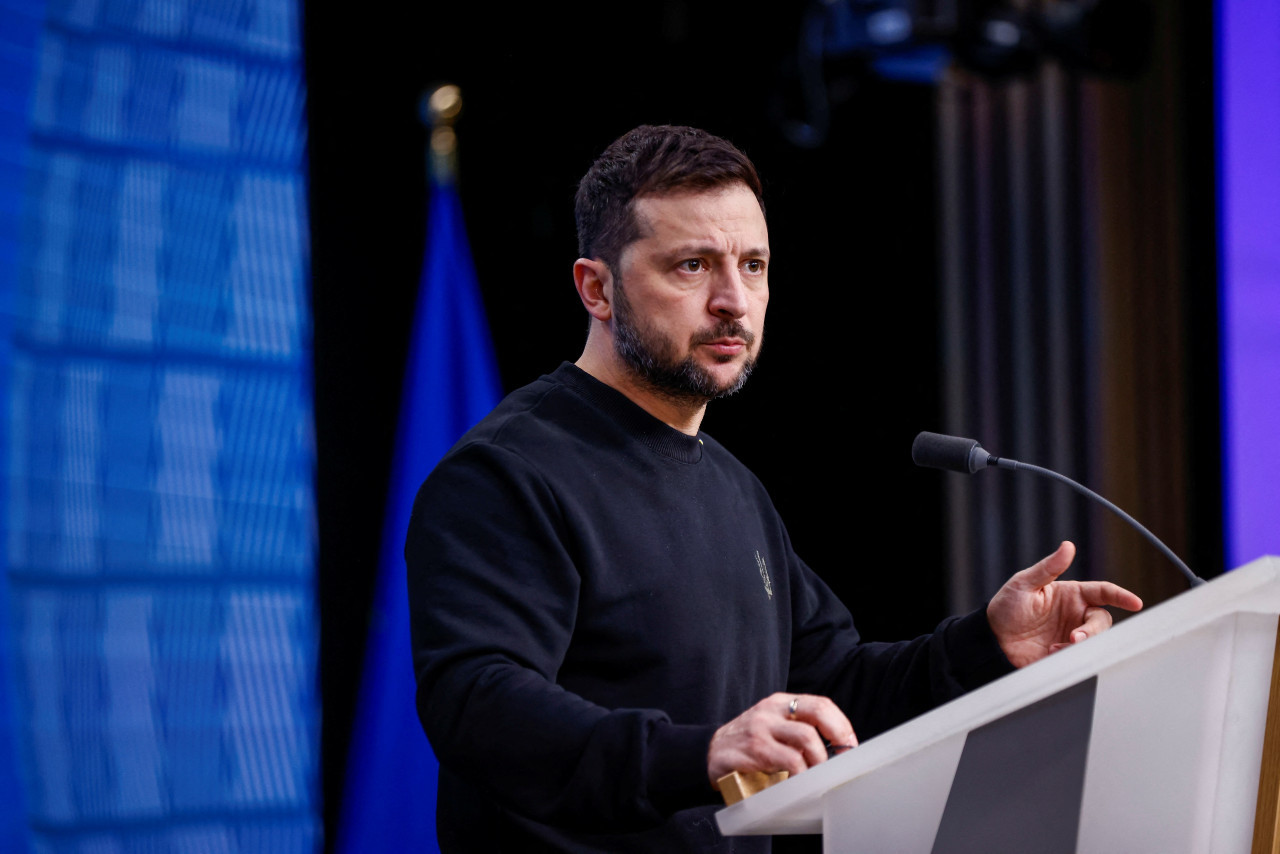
column 1160, row 736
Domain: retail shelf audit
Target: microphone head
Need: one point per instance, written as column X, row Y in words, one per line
column 949, row 453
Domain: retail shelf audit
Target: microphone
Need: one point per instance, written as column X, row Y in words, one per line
column 955, row 453
column 949, row 453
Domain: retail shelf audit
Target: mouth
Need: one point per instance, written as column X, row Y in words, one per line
column 727, row 337
column 726, row 346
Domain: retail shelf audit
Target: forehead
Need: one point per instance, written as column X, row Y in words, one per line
column 730, row 213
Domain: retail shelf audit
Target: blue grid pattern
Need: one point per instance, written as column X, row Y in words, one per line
column 159, row 507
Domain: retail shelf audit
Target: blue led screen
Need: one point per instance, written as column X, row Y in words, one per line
column 1248, row 76
column 158, row 497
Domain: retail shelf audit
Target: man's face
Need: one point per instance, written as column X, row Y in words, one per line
column 690, row 294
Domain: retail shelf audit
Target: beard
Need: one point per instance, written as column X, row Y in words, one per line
column 655, row 359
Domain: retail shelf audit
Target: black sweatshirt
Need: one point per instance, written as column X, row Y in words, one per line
column 592, row 594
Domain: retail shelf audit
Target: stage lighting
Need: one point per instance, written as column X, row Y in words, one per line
column 916, row 40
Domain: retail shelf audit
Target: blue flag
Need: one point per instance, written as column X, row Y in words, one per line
column 451, row 382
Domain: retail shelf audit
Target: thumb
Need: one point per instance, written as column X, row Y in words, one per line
column 1047, row 569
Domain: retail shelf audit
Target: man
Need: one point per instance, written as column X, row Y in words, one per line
column 607, row 612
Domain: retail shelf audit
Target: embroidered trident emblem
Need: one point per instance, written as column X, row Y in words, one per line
column 764, row 575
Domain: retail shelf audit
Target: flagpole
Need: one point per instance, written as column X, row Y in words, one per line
column 451, row 382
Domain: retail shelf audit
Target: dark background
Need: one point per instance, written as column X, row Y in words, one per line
column 850, row 369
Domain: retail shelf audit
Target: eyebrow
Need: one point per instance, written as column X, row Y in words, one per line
column 709, row 249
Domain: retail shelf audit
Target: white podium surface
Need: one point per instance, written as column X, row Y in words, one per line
column 1180, row 696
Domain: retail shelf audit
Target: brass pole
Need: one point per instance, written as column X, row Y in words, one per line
column 440, row 108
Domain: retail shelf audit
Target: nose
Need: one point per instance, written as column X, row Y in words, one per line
column 728, row 295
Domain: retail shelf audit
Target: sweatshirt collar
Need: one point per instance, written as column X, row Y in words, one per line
column 650, row 431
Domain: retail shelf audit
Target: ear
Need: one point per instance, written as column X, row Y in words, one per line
column 594, row 281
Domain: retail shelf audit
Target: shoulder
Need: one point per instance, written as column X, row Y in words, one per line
column 540, row 432
column 526, row 420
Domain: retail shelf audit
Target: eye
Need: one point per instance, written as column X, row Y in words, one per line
column 755, row 265
column 692, row 265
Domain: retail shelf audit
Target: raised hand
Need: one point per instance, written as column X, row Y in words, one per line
column 1035, row 614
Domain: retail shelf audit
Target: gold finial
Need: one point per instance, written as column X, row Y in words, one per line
column 440, row 108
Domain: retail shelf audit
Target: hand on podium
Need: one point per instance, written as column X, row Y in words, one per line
column 782, row 732
column 1034, row 614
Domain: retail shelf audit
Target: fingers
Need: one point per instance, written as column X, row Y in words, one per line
column 1096, row 621
column 1106, row 593
column 823, row 715
column 783, row 732
column 1047, row 569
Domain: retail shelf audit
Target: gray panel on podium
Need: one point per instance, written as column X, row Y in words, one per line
column 992, row 805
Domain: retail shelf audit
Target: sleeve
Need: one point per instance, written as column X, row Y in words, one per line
column 493, row 594
column 881, row 685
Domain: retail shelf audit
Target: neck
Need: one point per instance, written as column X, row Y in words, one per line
column 682, row 415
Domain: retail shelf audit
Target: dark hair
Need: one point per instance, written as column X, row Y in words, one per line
column 650, row 160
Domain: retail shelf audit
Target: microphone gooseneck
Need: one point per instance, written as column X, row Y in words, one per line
column 955, row 453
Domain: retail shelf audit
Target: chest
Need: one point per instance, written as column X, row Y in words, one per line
column 684, row 588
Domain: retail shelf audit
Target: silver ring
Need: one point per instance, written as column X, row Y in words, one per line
column 795, row 704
